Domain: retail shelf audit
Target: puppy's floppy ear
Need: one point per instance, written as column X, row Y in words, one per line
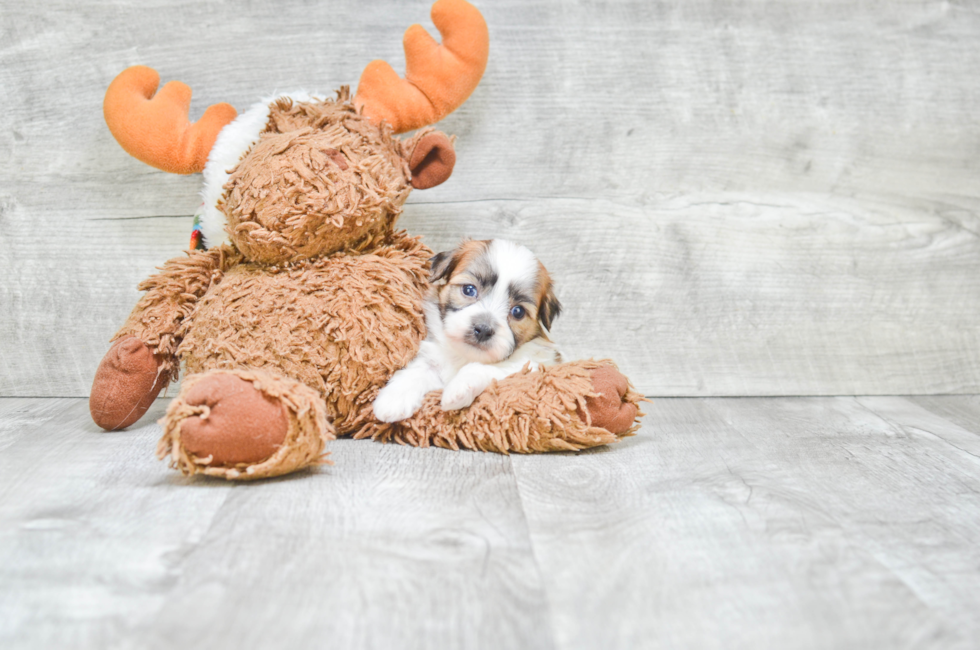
column 550, row 308
column 442, row 265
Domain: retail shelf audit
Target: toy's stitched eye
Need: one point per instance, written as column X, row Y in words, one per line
column 517, row 312
column 469, row 291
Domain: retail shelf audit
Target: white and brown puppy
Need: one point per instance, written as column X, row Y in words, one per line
column 488, row 312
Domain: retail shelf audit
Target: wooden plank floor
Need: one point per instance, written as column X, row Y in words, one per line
column 726, row 523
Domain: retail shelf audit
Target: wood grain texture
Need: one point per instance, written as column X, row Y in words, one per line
column 962, row 410
column 720, row 294
column 102, row 546
column 738, row 198
column 763, row 523
column 790, row 523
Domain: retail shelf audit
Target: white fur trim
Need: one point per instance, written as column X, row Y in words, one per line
column 232, row 143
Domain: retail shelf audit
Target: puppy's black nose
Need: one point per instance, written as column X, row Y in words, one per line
column 482, row 331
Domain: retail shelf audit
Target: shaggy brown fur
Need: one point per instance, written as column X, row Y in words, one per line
column 329, row 322
column 171, row 297
column 321, row 179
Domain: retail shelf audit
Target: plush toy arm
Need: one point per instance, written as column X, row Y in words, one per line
column 143, row 360
column 567, row 407
column 170, row 297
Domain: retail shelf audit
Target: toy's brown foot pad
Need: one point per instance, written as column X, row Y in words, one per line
column 244, row 424
column 240, row 423
column 125, row 385
column 610, row 410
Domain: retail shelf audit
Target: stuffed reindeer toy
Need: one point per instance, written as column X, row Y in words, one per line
column 307, row 300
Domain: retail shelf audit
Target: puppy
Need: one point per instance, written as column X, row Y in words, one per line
column 488, row 311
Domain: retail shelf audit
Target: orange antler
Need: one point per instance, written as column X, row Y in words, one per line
column 156, row 129
column 438, row 78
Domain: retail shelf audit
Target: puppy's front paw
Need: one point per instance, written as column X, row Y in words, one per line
column 394, row 405
column 462, row 390
column 465, row 387
column 457, row 396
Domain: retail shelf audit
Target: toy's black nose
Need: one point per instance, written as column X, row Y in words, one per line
column 482, row 332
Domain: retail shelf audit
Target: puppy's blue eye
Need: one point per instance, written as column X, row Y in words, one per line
column 517, row 312
column 469, row 291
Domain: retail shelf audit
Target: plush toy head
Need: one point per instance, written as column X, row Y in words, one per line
column 298, row 176
column 319, row 178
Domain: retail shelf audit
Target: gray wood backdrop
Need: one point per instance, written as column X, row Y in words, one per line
column 737, row 198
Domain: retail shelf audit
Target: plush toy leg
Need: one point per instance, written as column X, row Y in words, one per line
column 610, row 407
column 564, row 408
column 244, row 424
column 128, row 380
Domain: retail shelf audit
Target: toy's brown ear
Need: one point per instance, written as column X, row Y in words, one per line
column 432, row 161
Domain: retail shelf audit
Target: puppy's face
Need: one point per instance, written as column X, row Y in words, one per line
column 493, row 297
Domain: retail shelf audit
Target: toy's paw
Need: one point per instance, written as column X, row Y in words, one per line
column 610, row 410
column 125, row 385
column 240, row 423
column 394, row 403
